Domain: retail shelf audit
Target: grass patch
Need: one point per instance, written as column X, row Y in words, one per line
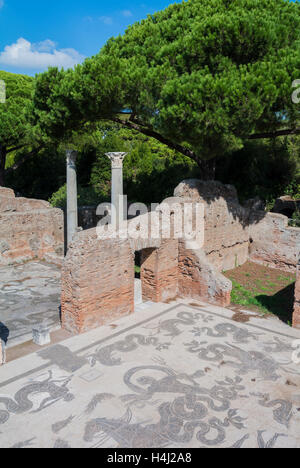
column 263, row 289
column 244, row 297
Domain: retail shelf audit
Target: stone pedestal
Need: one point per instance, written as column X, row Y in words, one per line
column 41, row 335
column 117, row 199
column 72, row 208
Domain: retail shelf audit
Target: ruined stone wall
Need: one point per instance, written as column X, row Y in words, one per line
column 29, row 229
column 296, row 316
column 234, row 234
column 97, row 282
column 226, row 243
column 272, row 242
column 159, row 272
column 199, row 279
column 98, row 277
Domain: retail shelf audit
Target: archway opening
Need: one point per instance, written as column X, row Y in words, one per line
column 145, row 276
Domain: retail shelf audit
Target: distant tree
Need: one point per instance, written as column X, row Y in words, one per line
column 201, row 77
column 15, row 129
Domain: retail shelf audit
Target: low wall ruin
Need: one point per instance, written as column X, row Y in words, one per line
column 272, row 242
column 226, row 237
column 29, row 229
column 97, row 282
column 98, row 275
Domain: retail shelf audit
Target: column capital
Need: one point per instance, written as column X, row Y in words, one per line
column 71, row 157
column 116, row 159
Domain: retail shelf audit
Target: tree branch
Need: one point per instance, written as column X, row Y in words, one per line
column 16, row 148
column 257, row 136
column 21, row 161
column 151, row 133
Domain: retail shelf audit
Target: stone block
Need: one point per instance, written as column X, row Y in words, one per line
column 41, row 335
column 29, row 229
column 272, row 242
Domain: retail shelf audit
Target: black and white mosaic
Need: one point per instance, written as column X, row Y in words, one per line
column 188, row 378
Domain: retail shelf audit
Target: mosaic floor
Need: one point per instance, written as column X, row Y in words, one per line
column 167, row 377
column 29, row 295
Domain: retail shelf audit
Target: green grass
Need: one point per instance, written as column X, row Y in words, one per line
column 279, row 304
column 244, row 297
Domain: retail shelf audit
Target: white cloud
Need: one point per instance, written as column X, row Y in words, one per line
column 106, row 20
column 127, row 13
column 24, row 54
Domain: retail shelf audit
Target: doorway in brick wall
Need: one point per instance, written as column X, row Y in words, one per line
column 145, row 281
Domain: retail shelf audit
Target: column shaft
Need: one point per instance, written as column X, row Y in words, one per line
column 72, row 208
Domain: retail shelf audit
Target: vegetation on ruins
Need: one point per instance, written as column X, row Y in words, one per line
column 263, row 290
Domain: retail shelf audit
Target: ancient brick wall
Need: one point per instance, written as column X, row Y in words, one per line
column 296, row 316
column 199, row 279
column 98, row 277
column 97, row 282
column 272, row 242
column 159, row 272
column 29, row 229
column 226, row 222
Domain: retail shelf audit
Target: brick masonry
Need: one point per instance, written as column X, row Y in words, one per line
column 199, row 279
column 226, row 222
column 97, row 282
column 98, row 278
column 159, row 272
column 234, row 234
column 98, row 275
column 29, row 229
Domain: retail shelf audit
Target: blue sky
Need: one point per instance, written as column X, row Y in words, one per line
column 35, row 33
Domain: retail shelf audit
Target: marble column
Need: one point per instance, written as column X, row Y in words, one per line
column 72, row 209
column 117, row 200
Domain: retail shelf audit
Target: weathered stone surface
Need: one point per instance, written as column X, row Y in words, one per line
column 98, row 275
column 199, row 279
column 226, row 221
column 41, row 335
column 21, row 205
column 159, row 272
column 29, row 296
column 234, row 234
column 7, row 192
column 273, row 242
column 97, row 282
column 29, row 229
column 296, row 316
column 165, row 377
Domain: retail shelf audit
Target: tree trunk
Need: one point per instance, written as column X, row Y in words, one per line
column 3, row 154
